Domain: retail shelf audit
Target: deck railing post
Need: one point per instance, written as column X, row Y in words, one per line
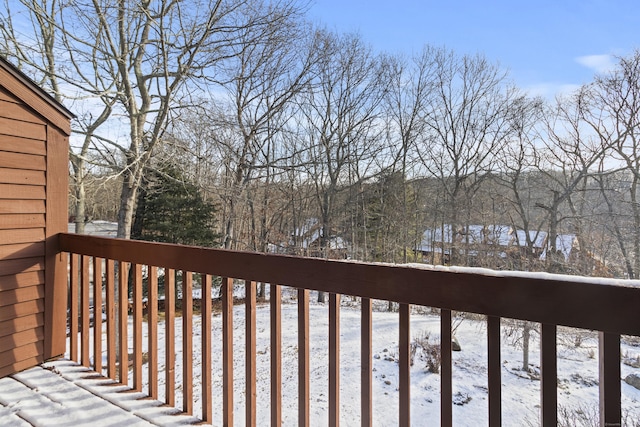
column 610, row 389
column 276, row 355
column 250, row 352
column 446, row 391
column 366, row 366
column 206, row 310
column 494, row 371
column 404, row 366
column 152, row 326
column 227, row 351
column 304, row 417
column 123, row 314
column 170, row 335
column 334, row 360
column 137, row 326
column 549, row 376
column 73, row 308
column 187, row 342
column 97, row 314
column 110, row 297
column 84, row 303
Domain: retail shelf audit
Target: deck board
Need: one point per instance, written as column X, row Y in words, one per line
column 65, row 393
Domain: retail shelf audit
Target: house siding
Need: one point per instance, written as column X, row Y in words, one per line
column 33, row 177
column 22, row 233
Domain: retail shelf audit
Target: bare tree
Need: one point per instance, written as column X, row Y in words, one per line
column 144, row 56
column 569, row 156
column 515, row 169
column 270, row 66
column 467, row 122
column 409, row 87
column 615, row 120
column 338, row 121
column 515, row 174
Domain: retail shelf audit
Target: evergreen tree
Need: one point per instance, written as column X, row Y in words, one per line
column 172, row 210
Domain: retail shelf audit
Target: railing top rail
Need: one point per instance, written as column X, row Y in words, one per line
column 598, row 304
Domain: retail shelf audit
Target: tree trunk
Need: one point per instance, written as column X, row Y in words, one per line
column 636, row 222
column 127, row 206
column 80, row 210
column 526, row 335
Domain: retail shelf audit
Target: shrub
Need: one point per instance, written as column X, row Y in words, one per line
column 428, row 350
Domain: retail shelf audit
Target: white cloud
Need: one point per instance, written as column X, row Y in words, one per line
column 551, row 90
column 598, row 63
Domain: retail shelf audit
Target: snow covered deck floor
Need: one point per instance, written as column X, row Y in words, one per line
column 63, row 393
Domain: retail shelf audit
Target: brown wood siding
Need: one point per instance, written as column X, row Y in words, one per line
column 22, row 309
column 18, row 89
column 19, row 324
column 22, row 265
column 24, row 337
column 22, row 207
column 26, row 177
column 21, row 352
column 24, row 192
column 23, row 250
column 23, row 136
column 10, row 126
column 19, row 112
column 22, row 161
column 6, row 96
column 21, row 280
column 16, row 296
column 17, row 144
column 27, row 235
column 20, row 365
column 29, row 220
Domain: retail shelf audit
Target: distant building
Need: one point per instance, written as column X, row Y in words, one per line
column 306, row 241
column 495, row 246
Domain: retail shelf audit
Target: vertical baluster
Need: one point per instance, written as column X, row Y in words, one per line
column 206, row 309
column 123, row 313
column 73, row 309
column 137, row 327
column 334, row 360
column 446, row 372
column 366, row 367
column 494, row 371
column 227, row 351
column 97, row 314
column 404, row 366
column 610, row 389
column 170, row 335
column 111, row 318
column 152, row 327
column 549, row 376
column 276, row 351
column 84, row 302
column 303, row 358
column 250, row 344
column 187, row 342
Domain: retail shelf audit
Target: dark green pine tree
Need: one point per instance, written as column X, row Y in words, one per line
column 171, row 210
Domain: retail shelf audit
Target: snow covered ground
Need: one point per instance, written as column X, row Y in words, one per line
column 577, row 370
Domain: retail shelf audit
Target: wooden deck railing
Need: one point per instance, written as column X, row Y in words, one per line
column 609, row 307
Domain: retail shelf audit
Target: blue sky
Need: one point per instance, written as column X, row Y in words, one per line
column 547, row 46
